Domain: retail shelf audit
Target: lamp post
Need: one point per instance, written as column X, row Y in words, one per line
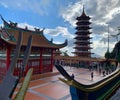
column 108, row 39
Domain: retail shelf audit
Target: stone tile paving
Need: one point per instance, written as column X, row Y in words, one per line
column 51, row 88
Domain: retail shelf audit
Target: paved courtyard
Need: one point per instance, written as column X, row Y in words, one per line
column 51, row 88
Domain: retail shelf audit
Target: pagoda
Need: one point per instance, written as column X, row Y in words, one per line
column 82, row 38
column 41, row 58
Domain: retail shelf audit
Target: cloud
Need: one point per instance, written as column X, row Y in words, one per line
column 23, row 25
column 70, row 13
column 59, row 31
column 69, row 50
column 37, row 6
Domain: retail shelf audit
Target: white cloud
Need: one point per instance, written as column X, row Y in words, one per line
column 59, row 31
column 69, row 14
column 23, row 25
column 112, row 13
column 36, row 6
column 69, row 50
column 3, row 4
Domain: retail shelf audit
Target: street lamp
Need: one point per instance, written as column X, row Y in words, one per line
column 108, row 39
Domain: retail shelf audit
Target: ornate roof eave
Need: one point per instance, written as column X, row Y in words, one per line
column 55, row 46
column 83, row 42
column 78, row 37
column 83, row 47
column 83, row 23
column 60, row 45
column 14, row 27
column 86, row 53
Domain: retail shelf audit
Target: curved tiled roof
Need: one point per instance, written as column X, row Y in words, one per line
column 39, row 40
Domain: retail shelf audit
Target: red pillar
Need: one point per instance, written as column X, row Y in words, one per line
column 51, row 67
column 40, row 69
column 8, row 51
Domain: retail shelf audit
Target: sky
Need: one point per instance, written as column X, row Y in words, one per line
column 58, row 17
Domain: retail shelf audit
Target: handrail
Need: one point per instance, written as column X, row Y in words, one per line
column 90, row 87
column 109, row 92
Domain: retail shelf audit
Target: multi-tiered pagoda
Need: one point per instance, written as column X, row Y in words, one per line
column 82, row 39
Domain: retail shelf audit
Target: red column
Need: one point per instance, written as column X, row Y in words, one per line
column 8, row 57
column 51, row 67
column 40, row 69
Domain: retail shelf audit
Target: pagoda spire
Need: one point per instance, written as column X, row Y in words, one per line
column 83, row 12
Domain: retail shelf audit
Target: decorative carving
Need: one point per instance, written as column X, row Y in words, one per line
column 13, row 24
column 37, row 29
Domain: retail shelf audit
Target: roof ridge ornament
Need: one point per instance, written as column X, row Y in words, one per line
column 13, row 24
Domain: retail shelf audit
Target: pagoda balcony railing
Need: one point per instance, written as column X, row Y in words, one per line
column 82, row 51
column 83, row 25
column 83, row 20
column 82, row 36
column 82, row 46
column 83, row 31
column 83, row 41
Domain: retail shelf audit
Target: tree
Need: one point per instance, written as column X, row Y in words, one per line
column 107, row 55
column 118, row 57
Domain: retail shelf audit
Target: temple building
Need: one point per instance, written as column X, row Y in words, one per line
column 42, row 51
column 82, row 38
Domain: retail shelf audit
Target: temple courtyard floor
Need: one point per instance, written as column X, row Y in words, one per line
column 51, row 88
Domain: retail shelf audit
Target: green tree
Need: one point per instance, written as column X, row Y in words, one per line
column 107, row 55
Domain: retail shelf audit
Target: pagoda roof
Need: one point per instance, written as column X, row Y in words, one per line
column 9, row 33
column 83, row 16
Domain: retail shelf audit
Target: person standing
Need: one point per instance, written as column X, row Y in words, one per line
column 92, row 75
column 72, row 76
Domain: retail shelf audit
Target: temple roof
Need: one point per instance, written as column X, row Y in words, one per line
column 10, row 32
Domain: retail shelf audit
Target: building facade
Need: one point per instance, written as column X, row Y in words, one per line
column 42, row 50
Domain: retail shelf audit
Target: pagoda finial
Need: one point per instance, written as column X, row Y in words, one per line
column 83, row 8
column 83, row 12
